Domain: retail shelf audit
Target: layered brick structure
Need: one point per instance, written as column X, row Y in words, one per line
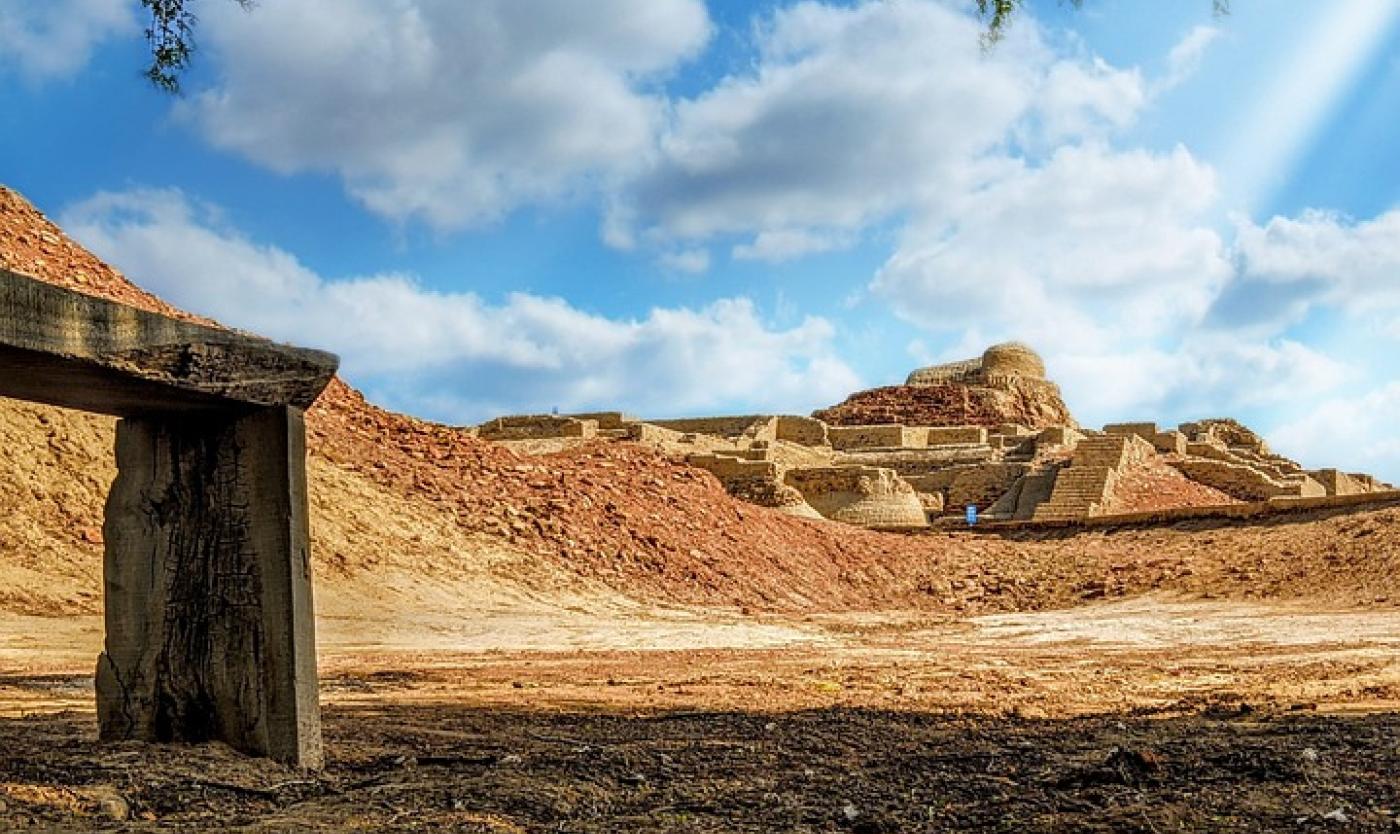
column 1006, row 384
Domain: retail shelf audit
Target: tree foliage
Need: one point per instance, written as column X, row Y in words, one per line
column 170, row 35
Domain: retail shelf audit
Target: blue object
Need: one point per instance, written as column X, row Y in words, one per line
column 971, row 515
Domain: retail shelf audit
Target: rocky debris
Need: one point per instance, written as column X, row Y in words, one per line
column 1027, row 402
column 32, row 245
column 1156, row 485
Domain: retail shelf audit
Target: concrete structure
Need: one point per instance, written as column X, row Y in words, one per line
column 210, row 629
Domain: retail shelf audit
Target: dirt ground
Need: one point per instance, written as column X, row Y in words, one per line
column 1150, row 714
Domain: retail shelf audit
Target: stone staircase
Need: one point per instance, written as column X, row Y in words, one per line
column 1079, row 492
column 1084, row 487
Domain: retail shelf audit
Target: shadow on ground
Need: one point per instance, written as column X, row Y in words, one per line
column 449, row 768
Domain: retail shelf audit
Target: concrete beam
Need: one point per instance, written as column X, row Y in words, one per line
column 76, row 351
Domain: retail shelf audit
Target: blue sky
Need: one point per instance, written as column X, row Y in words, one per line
column 680, row 207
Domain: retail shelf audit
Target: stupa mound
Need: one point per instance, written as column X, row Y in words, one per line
column 1005, row 385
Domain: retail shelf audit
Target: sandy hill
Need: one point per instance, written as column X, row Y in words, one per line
column 410, row 516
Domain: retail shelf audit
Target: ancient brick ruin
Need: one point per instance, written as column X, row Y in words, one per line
column 991, row 432
column 209, row 624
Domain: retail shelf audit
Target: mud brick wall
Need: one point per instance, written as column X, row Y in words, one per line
column 918, row 461
column 1234, row 479
column 1147, row 431
column 1112, row 452
column 955, row 435
column 726, row 467
column 982, row 485
column 804, row 430
column 607, row 420
column 752, row 427
column 1170, row 442
column 536, row 427
column 1059, row 436
column 876, row 437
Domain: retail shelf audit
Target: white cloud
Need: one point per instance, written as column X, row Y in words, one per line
column 854, row 114
column 1185, row 58
column 691, row 261
column 1109, row 263
column 1089, row 250
column 458, row 113
column 1356, row 434
column 457, row 356
column 1340, row 261
column 1205, row 375
column 1079, row 99
column 453, row 113
column 779, row 245
column 54, row 39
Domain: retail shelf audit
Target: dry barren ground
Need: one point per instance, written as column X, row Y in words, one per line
column 1148, row 714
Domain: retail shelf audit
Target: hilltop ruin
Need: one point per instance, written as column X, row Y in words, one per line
column 991, row 432
column 1006, row 385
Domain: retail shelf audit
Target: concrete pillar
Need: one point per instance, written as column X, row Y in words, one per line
column 210, row 628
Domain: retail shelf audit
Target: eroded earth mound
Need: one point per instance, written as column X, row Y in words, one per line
column 1006, row 385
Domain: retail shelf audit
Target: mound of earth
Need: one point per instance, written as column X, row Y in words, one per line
column 399, row 502
column 409, row 516
column 1006, row 385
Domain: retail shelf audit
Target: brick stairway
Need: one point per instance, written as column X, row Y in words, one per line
column 1085, row 486
column 1079, row 492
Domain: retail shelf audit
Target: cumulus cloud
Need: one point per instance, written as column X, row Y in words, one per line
column 1207, row 374
column 457, row 356
column 855, row 113
column 1327, row 258
column 1355, row 434
column 458, row 113
column 452, row 113
column 1089, row 249
column 1077, row 99
column 55, row 38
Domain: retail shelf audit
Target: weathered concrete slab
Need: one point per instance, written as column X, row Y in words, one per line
column 73, row 350
column 210, row 627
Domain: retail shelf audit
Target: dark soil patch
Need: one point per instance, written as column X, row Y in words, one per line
column 445, row 769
